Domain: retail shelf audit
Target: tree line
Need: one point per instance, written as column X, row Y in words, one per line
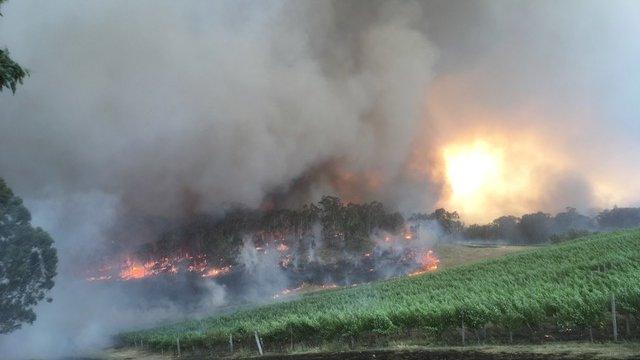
column 540, row 227
column 334, row 229
column 331, row 227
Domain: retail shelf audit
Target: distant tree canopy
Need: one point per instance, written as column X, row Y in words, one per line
column 570, row 219
column 449, row 222
column 333, row 228
column 28, row 262
column 618, row 218
column 539, row 227
column 536, row 227
column 11, row 74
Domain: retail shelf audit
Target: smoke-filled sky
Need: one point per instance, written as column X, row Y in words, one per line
column 166, row 107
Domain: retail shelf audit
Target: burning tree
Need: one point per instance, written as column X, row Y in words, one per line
column 328, row 241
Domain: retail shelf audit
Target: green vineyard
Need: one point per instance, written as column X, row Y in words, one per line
column 570, row 285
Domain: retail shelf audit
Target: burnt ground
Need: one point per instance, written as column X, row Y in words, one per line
column 563, row 351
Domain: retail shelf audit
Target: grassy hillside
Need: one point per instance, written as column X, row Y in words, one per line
column 568, row 285
column 456, row 255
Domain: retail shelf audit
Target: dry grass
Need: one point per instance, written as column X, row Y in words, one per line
column 567, row 350
column 130, row 354
column 455, row 255
column 564, row 350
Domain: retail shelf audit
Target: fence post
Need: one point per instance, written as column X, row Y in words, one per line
column 231, row 343
column 613, row 318
column 484, row 334
column 178, row 345
column 291, row 339
column 462, row 328
column 255, row 333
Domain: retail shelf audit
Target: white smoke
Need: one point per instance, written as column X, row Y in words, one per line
column 265, row 277
column 84, row 315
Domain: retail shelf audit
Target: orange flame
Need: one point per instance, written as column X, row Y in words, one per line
column 135, row 270
column 215, row 272
column 132, row 269
column 428, row 262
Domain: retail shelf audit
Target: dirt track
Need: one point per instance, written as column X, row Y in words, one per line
column 439, row 355
column 564, row 351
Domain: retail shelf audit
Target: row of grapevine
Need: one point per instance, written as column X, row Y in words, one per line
column 569, row 284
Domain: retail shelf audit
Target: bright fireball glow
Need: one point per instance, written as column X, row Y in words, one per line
column 498, row 174
column 472, row 171
column 480, row 179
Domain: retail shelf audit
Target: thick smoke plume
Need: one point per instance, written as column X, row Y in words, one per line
column 180, row 107
column 172, row 108
column 138, row 111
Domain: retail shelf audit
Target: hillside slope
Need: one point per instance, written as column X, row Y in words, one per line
column 569, row 285
column 452, row 255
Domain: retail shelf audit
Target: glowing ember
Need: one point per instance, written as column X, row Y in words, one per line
column 428, row 262
column 215, row 272
column 132, row 269
column 282, row 247
column 398, row 247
